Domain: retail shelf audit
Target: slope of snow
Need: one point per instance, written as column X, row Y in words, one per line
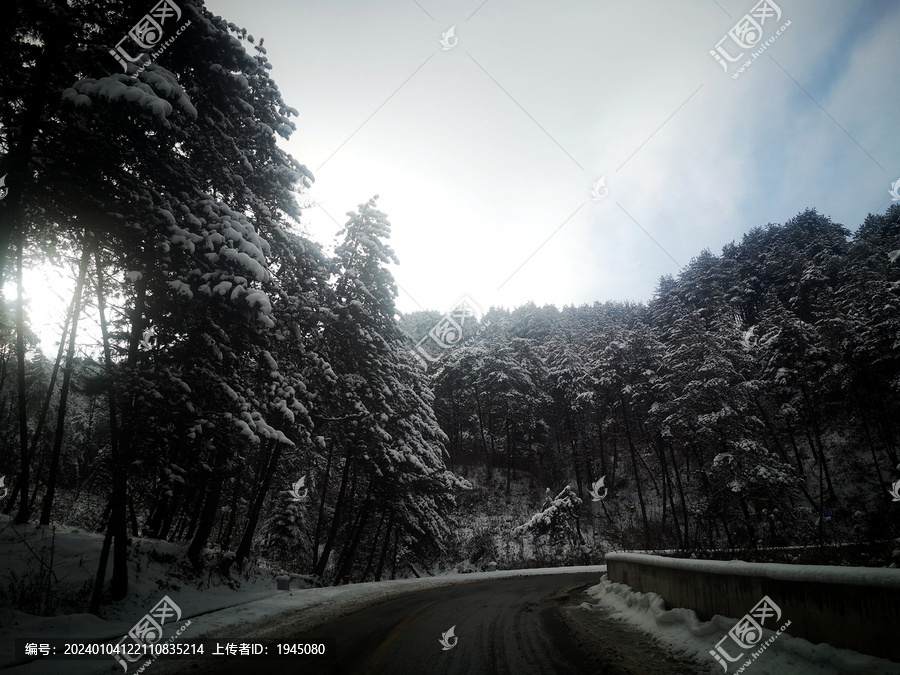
column 248, row 605
column 680, row 629
column 64, row 560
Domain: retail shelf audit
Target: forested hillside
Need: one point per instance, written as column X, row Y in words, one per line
column 225, row 384
column 752, row 393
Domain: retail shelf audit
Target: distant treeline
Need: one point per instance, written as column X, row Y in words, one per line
column 756, row 390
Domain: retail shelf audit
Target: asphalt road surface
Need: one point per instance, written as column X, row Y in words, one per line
column 518, row 625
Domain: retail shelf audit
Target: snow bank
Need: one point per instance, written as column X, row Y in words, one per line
column 681, row 629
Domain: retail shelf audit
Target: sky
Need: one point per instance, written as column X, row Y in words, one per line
column 484, row 149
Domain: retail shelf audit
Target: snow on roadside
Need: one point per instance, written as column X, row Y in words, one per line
column 237, row 613
column 682, row 630
column 63, row 560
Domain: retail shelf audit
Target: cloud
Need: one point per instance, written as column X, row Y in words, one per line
column 489, row 147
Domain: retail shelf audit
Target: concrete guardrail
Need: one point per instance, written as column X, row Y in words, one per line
column 854, row 608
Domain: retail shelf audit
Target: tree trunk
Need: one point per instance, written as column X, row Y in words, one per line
column 188, row 524
column 350, row 555
column 603, row 469
column 665, row 491
column 384, row 549
column 492, row 457
column 24, row 460
column 207, row 519
column 97, row 596
column 576, row 464
column 615, row 462
column 818, row 448
column 243, row 550
column 45, row 408
column 509, row 454
column 153, row 524
column 576, row 454
column 320, row 519
column 117, row 524
column 322, row 563
column 678, row 483
column 75, row 311
column 133, row 514
column 487, row 454
column 394, row 556
column 589, row 461
column 884, row 424
column 374, row 547
column 173, row 507
column 637, row 478
column 225, row 537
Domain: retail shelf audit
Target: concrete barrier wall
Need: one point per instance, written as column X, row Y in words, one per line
column 855, row 608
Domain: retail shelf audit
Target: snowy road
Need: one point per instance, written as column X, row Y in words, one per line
column 506, row 625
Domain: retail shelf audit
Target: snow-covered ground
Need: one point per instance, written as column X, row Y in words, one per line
column 681, row 630
column 63, row 561
column 65, row 558
column 248, row 616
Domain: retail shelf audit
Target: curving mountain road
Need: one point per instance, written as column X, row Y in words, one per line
column 518, row 625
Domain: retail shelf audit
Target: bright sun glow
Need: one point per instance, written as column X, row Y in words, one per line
column 48, row 292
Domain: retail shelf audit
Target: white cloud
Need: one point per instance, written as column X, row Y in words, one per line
column 473, row 185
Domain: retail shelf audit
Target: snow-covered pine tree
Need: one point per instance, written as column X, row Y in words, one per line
column 386, row 442
column 176, row 179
